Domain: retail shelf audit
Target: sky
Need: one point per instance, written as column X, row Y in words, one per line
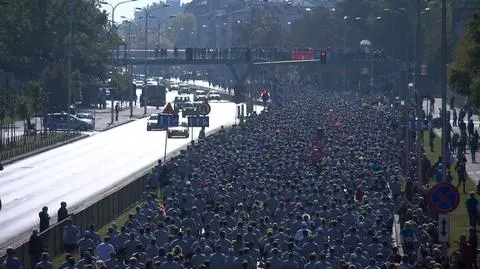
column 128, row 9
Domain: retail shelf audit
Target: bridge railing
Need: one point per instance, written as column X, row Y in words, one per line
column 136, row 56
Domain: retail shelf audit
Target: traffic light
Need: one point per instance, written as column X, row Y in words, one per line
column 189, row 54
column 156, row 53
column 175, row 52
column 323, row 57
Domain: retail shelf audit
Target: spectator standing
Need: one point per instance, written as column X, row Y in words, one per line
column 62, row 212
column 44, row 219
column 35, row 248
column 467, row 253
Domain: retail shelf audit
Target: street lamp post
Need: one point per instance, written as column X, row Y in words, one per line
column 445, row 123
column 147, row 14
column 113, row 26
column 130, row 67
column 367, row 47
column 70, row 51
column 406, row 41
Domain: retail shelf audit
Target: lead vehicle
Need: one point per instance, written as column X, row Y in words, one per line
column 179, row 131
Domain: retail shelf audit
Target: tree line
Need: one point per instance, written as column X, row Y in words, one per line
column 464, row 71
column 389, row 24
column 34, row 39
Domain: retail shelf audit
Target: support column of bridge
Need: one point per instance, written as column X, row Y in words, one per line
column 240, row 89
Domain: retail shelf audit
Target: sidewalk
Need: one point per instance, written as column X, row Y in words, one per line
column 103, row 118
column 473, row 169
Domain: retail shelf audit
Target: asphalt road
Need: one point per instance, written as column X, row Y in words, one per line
column 82, row 170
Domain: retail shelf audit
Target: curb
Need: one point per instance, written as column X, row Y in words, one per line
column 116, row 125
column 41, row 150
column 122, row 123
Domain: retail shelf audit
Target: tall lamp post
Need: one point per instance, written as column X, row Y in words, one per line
column 70, row 51
column 130, row 67
column 147, row 14
column 366, row 45
column 445, row 123
column 113, row 26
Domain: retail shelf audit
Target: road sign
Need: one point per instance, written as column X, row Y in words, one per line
column 198, row 121
column 443, row 227
column 168, row 109
column 168, row 120
column 443, row 198
column 204, row 109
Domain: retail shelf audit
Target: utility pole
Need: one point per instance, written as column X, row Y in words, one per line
column 130, row 68
column 145, row 99
column 70, row 51
column 445, row 123
column 417, row 83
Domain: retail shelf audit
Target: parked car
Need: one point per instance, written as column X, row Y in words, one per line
column 179, row 131
column 59, row 121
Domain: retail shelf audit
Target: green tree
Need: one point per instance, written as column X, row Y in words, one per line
column 36, row 35
column 123, row 83
column 183, row 30
column 464, row 72
column 77, row 86
column 319, row 29
column 37, row 96
column 263, row 31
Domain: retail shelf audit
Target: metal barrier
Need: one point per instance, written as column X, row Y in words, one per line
column 44, row 140
column 99, row 213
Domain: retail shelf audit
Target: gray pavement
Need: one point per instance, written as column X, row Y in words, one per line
column 473, row 169
column 102, row 118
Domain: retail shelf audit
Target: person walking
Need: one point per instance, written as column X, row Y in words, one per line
column 473, row 146
column 471, row 205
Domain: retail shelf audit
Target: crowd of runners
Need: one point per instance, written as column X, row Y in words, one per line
column 313, row 183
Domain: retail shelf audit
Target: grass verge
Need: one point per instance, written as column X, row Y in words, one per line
column 102, row 232
column 120, row 220
column 458, row 218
